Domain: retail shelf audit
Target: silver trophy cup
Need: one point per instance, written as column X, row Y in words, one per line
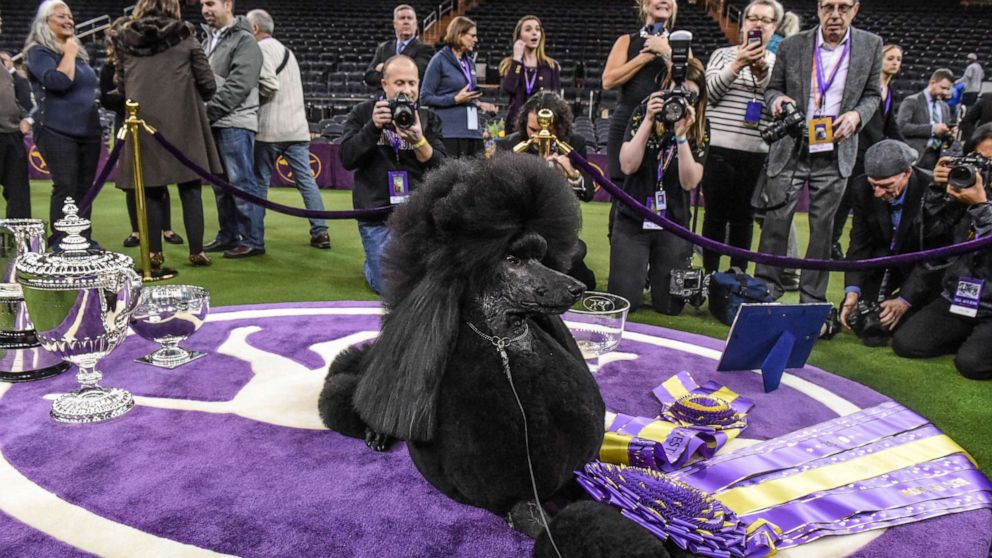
column 22, row 358
column 80, row 302
column 168, row 314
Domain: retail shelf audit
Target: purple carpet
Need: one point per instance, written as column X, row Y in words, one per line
column 247, row 474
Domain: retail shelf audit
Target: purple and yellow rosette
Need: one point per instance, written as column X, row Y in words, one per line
column 878, row 468
column 696, row 421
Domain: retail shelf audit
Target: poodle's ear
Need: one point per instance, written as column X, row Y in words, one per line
column 398, row 392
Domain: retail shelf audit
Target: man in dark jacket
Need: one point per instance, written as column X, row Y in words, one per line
column 959, row 321
column 236, row 61
column 405, row 43
column 886, row 204
column 978, row 114
column 389, row 160
column 13, row 158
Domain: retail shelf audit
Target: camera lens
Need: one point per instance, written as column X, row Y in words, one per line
column 962, row 176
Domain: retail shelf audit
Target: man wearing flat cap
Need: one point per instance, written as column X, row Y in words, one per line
column 886, row 202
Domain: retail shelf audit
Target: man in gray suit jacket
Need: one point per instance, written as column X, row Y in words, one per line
column 846, row 63
column 923, row 118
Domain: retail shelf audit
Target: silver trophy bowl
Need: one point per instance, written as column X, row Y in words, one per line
column 597, row 322
column 22, row 359
column 80, row 302
column 167, row 315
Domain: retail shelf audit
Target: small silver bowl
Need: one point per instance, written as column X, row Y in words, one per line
column 167, row 315
column 597, row 321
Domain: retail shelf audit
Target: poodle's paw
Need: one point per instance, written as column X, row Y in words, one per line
column 377, row 441
column 525, row 517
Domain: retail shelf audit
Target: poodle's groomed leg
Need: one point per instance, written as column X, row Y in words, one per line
column 335, row 402
column 526, row 518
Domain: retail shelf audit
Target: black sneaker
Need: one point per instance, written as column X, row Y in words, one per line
column 320, row 240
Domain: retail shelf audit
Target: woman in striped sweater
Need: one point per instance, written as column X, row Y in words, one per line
column 735, row 81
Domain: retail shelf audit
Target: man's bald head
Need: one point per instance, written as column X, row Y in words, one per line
column 400, row 60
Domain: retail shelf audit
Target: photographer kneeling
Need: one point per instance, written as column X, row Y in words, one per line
column 390, row 144
column 886, row 202
column 582, row 184
column 956, row 208
column 662, row 157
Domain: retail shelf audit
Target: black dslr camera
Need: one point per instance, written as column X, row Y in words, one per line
column 404, row 111
column 676, row 101
column 790, row 123
column 965, row 170
column 689, row 284
column 866, row 322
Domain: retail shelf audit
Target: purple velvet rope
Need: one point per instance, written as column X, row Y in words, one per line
column 101, row 179
column 235, row 191
column 771, row 259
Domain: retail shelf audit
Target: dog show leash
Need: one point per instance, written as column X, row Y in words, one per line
column 501, row 343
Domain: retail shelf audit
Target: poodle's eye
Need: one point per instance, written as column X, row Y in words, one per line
column 513, row 260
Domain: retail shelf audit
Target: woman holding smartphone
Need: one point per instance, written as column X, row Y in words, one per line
column 450, row 88
column 663, row 163
column 735, row 83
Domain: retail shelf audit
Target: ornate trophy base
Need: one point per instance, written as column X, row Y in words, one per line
column 91, row 404
column 32, row 375
column 174, row 358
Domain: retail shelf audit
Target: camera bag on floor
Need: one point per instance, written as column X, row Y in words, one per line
column 730, row 289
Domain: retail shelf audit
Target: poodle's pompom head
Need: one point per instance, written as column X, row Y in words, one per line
column 465, row 216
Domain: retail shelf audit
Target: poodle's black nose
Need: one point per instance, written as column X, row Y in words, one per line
column 576, row 289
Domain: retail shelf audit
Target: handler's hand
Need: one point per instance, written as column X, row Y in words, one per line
column 778, row 102
column 412, row 134
column 892, row 311
column 850, row 302
column 846, row 125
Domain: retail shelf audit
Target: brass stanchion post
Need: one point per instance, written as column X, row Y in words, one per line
column 134, row 125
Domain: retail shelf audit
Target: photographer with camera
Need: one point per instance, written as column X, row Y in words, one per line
column 925, row 119
column 390, row 143
column 955, row 209
column 736, row 77
column 832, row 73
column 581, row 183
column 662, row 158
column 886, row 203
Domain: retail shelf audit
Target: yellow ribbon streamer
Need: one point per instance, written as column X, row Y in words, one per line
column 615, row 448
column 749, row 499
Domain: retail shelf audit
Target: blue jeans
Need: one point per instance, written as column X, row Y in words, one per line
column 241, row 222
column 374, row 239
column 297, row 155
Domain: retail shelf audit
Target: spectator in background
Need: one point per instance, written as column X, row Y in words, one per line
column 736, row 77
column 22, row 87
column 451, row 89
column 662, row 164
column 789, row 26
column 581, row 183
column 923, row 119
column 886, row 200
column 972, row 80
column 236, row 61
column 880, row 126
column 978, row 114
column 850, row 63
column 282, row 122
column 389, row 161
column 163, row 68
column 67, row 124
column 406, row 43
column 638, row 62
column 959, row 321
column 13, row 157
column 529, row 69
column 112, row 100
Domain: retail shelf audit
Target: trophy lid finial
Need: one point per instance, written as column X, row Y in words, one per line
column 72, row 225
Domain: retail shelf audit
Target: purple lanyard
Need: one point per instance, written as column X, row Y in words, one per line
column 664, row 159
column 824, row 86
column 467, row 71
column 529, row 82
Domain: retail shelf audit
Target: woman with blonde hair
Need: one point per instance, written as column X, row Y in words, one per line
column 451, row 89
column 529, row 69
column 67, row 125
column 163, row 67
column 638, row 62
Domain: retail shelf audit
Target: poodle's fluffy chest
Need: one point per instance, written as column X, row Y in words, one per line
column 478, row 454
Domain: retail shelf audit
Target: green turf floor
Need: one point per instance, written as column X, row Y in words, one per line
column 293, row 271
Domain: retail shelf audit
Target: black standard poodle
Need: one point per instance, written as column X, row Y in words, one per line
column 474, row 367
